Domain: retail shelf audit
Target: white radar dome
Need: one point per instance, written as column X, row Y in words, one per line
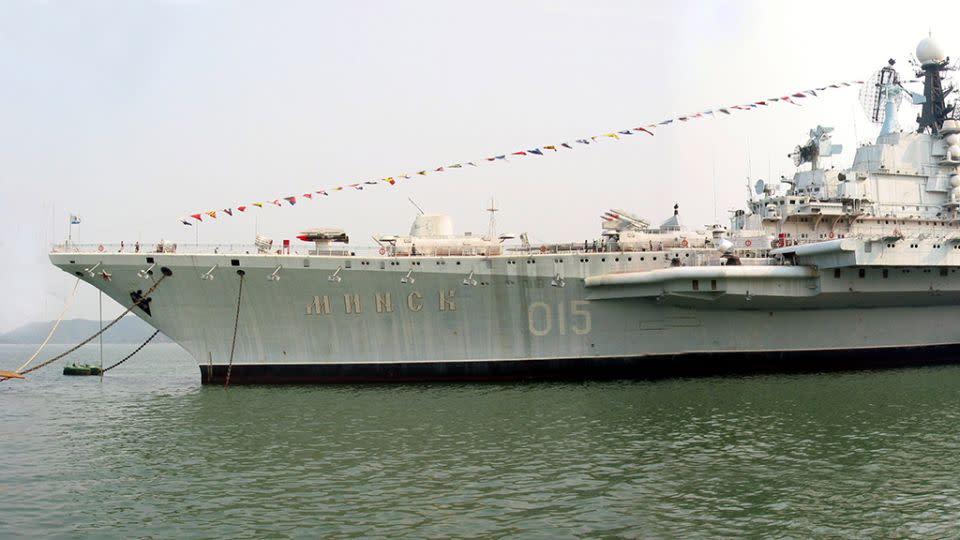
column 929, row 51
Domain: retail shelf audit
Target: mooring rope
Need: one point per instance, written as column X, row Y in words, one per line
column 66, row 306
column 94, row 336
column 135, row 351
column 236, row 324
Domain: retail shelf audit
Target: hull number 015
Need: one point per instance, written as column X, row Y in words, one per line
column 563, row 318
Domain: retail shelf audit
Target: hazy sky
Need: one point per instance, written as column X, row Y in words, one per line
column 133, row 114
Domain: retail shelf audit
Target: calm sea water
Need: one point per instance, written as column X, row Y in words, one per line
column 148, row 452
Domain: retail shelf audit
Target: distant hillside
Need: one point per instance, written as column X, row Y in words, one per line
column 130, row 329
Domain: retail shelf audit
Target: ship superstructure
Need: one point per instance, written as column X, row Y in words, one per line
column 832, row 267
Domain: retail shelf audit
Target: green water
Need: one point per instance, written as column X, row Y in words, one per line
column 148, row 452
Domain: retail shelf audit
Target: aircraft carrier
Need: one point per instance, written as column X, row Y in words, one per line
column 832, row 268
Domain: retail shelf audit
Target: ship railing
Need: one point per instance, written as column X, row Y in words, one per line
column 372, row 251
column 384, row 250
column 207, row 249
column 148, row 248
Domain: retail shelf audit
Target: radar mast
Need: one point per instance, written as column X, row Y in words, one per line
column 493, row 220
column 933, row 62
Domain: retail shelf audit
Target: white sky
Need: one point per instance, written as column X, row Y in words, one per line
column 133, row 114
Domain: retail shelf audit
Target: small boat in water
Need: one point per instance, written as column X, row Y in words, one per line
column 82, row 369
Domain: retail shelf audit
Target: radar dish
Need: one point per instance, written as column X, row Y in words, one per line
column 797, row 156
column 759, row 187
column 873, row 94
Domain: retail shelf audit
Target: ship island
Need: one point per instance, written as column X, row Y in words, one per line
column 834, row 268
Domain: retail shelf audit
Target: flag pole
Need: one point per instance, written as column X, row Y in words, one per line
column 101, row 334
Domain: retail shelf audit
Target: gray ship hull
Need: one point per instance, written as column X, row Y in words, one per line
column 542, row 316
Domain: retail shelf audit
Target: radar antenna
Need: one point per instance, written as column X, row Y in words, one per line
column 881, row 97
column 760, row 187
column 816, row 147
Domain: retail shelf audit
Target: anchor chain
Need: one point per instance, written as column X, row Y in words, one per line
column 135, row 351
column 236, row 324
column 94, row 336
